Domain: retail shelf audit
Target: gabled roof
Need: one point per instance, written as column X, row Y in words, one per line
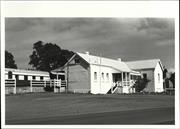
column 96, row 60
column 144, row 64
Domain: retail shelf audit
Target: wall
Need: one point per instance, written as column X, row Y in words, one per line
column 78, row 78
column 158, row 82
column 25, row 89
column 150, row 76
column 101, row 86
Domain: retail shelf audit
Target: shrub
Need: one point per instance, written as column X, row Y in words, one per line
column 49, row 89
column 140, row 84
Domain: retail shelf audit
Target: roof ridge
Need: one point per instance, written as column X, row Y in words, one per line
column 101, row 57
column 142, row 60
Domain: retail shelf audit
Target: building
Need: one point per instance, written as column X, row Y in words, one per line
column 98, row 75
column 151, row 70
column 19, row 81
column 20, row 74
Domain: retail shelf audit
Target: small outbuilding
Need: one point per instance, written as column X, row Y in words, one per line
column 151, row 70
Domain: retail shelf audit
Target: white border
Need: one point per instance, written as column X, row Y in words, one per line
column 134, row 9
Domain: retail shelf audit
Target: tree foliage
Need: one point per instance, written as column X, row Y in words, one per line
column 9, row 60
column 140, row 84
column 165, row 71
column 48, row 56
column 172, row 79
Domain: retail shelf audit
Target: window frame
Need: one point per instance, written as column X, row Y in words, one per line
column 107, row 76
column 159, row 78
column 95, row 76
column 102, row 75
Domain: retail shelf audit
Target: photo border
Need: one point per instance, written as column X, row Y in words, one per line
column 122, row 9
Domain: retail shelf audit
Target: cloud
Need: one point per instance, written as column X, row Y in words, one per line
column 129, row 38
column 165, row 42
column 162, row 28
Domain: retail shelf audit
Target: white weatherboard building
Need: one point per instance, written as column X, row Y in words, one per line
column 152, row 70
column 98, row 75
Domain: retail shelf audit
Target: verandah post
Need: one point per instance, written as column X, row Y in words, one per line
column 122, row 79
column 126, row 75
column 60, row 82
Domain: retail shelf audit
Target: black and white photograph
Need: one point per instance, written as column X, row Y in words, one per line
column 89, row 71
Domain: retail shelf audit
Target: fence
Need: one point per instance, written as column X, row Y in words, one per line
column 11, row 85
column 36, row 86
column 56, row 84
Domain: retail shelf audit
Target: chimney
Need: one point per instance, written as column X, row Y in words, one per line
column 87, row 53
column 119, row 59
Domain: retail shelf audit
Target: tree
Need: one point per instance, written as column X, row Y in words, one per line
column 48, row 56
column 165, row 71
column 141, row 84
column 172, row 79
column 165, row 78
column 9, row 60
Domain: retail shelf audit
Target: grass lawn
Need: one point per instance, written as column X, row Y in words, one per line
column 39, row 105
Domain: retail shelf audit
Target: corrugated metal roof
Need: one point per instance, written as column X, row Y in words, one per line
column 143, row 64
column 119, row 65
column 27, row 71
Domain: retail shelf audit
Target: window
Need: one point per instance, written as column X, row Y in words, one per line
column 41, row 78
column 9, row 75
column 158, row 78
column 25, row 77
column 77, row 61
column 34, row 77
column 95, row 75
column 107, row 76
column 144, row 75
column 103, row 76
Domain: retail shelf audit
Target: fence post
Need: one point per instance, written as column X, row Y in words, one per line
column 15, row 86
column 54, row 86
column 31, row 86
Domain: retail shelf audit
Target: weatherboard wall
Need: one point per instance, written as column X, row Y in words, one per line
column 78, row 78
column 158, row 78
column 101, row 85
column 150, row 76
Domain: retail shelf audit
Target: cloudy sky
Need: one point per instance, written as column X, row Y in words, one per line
column 127, row 38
